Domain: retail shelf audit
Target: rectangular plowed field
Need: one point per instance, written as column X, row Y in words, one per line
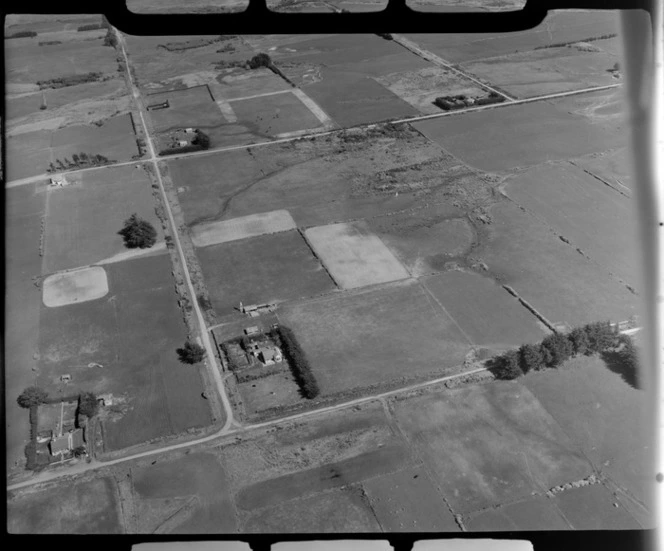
column 489, row 444
column 563, row 285
column 486, row 312
column 354, row 256
column 374, row 337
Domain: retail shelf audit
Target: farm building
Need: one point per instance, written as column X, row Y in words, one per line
column 269, row 355
column 58, row 180
column 62, row 444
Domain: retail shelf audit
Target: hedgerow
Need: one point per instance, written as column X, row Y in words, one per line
column 297, row 360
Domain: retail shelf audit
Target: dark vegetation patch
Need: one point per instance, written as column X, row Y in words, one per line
column 70, row 80
column 297, row 360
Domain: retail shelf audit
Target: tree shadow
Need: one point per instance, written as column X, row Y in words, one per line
column 615, row 361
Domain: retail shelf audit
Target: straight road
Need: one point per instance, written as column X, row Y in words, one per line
column 511, row 102
column 204, row 335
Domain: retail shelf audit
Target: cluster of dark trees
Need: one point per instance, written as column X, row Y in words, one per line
column 563, row 44
column 556, row 348
column 449, row 103
column 259, row 60
column 78, row 160
column 22, row 34
column 138, row 233
column 297, row 360
column 71, row 80
column 191, row 353
column 199, row 143
column 50, row 43
column 386, row 36
column 90, row 27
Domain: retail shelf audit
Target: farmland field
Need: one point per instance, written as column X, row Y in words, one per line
column 613, row 167
column 421, row 88
column 191, row 107
column 319, row 182
column 511, row 137
column 342, row 510
column 409, row 501
column 133, row 333
column 31, row 152
column 425, row 240
column 23, row 301
column 75, row 286
column 549, row 70
column 192, row 6
column 372, row 337
column 89, row 507
column 200, row 475
column 604, row 417
column 563, row 285
column 476, row 469
column 253, row 225
column 486, row 312
column 560, row 26
column 536, row 513
column 354, row 256
column 83, row 218
column 594, row 217
column 269, row 268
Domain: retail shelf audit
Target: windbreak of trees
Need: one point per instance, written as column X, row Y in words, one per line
column 297, row 360
column 556, row 348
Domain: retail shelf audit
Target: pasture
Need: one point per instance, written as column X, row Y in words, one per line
column 409, row 501
column 78, row 507
column 270, row 268
column 320, row 181
column 505, row 138
column 605, row 417
column 421, row 88
column 587, row 212
column 244, row 84
column 551, row 275
column 133, row 334
column 547, row 71
column 30, row 153
column 375, row 337
column 485, row 312
column 274, row 115
column 343, row 510
column 198, row 475
column 253, row 225
column 23, row 301
column 489, row 444
column 27, row 63
column 560, row 26
column 535, row 513
column 426, row 239
column 354, row 256
column 273, row 391
column 190, row 107
column 83, row 218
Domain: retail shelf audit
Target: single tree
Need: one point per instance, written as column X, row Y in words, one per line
column 83, row 156
column 138, row 233
column 75, row 158
column 51, row 167
column 260, row 60
column 201, row 139
column 32, row 396
column 191, row 353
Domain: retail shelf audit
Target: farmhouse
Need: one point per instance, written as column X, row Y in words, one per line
column 269, row 355
column 62, row 444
